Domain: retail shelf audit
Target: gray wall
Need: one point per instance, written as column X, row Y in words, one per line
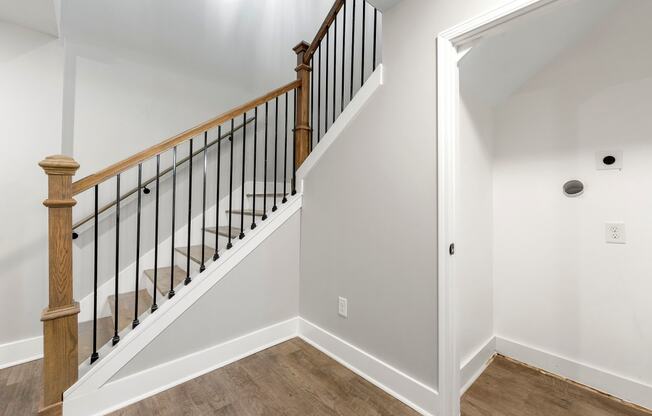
column 260, row 291
column 369, row 222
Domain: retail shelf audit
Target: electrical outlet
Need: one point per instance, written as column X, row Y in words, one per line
column 343, row 307
column 615, row 233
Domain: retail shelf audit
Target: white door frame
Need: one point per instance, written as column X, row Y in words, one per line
column 450, row 44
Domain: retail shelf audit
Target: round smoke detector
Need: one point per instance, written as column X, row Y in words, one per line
column 573, row 188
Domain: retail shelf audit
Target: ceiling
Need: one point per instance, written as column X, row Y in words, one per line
column 243, row 41
column 383, row 5
column 39, row 15
column 502, row 62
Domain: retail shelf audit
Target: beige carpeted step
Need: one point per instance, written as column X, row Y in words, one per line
column 163, row 278
column 224, row 231
column 195, row 253
column 85, row 341
column 258, row 213
column 126, row 306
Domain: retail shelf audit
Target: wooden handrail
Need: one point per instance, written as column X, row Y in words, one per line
column 153, row 179
column 330, row 18
column 99, row 177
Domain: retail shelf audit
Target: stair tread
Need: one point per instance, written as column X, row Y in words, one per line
column 126, row 306
column 269, row 194
column 224, row 231
column 163, row 278
column 195, row 253
column 85, row 338
column 258, row 213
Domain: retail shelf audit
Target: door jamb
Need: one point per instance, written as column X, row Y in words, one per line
column 448, row 43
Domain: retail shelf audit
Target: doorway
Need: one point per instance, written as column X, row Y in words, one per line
column 542, row 150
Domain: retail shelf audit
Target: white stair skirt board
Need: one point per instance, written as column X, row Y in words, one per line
column 413, row 393
column 476, row 364
column 114, row 358
column 350, row 112
column 623, row 388
column 123, row 392
column 21, row 351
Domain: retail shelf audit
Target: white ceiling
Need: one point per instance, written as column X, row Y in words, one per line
column 502, row 62
column 244, row 41
column 383, row 5
column 39, row 15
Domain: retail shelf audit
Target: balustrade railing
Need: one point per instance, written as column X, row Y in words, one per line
column 125, row 235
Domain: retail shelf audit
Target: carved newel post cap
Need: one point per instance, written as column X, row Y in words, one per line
column 301, row 47
column 59, row 165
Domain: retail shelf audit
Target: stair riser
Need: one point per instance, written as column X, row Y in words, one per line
column 181, row 261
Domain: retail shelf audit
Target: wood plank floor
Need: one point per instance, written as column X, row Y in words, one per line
column 508, row 388
column 294, row 378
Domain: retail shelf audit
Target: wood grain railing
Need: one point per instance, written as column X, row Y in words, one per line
column 60, row 321
column 91, row 180
column 323, row 29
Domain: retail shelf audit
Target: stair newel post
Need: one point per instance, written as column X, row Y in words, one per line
column 60, row 317
column 302, row 130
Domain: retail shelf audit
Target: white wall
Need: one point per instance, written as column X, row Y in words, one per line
column 31, row 74
column 558, row 286
column 474, row 225
column 369, row 222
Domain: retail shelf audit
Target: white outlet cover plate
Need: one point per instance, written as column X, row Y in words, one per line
column 615, row 233
column 342, row 307
column 599, row 157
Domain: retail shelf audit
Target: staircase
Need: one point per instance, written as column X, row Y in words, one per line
column 190, row 199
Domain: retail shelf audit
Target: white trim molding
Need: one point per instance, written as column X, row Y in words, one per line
column 448, row 45
column 21, row 351
column 623, row 388
column 420, row 397
column 475, row 365
column 119, row 393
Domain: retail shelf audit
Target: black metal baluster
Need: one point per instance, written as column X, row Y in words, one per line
column 116, row 337
column 188, row 279
column 312, row 100
column 343, row 55
column 95, row 355
column 229, row 244
column 136, row 322
column 217, row 193
column 202, row 267
column 253, row 217
column 375, row 35
column 265, row 169
column 274, row 207
column 294, row 142
column 364, row 30
column 327, row 89
column 158, row 174
column 285, row 153
column 174, row 198
column 334, row 69
column 352, row 49
column 319, row 97
column 242, row 189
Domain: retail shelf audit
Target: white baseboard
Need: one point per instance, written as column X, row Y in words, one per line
column 123, row 392
column 413, row 393
column 21, row 351
column 473, row 367
column 621, row 387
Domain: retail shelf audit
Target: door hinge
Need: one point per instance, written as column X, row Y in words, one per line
column 451, row 249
